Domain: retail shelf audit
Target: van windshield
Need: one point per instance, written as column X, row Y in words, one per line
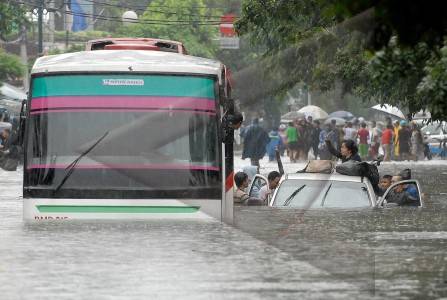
column 322, row 193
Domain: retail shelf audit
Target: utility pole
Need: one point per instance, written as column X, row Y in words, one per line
column 51, row 26
column 24, row 57
column 40, row 27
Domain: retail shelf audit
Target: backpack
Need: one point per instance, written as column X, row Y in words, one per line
column 363, row 169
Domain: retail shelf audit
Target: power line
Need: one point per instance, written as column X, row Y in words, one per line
column 119, row 19
column 148, row 8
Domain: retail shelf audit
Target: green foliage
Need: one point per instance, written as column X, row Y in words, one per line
column 81, row 36
column 12, row 16
column 407, row 67
column 411, row 22
column 278, row 24
column 71, row 48
column 433, row 87
column 10, row 66
column 198, row 39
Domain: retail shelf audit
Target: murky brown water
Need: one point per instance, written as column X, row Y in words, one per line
column 270, row 253
column 390, row 253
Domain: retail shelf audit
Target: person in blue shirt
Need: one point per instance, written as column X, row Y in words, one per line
column 275, row 143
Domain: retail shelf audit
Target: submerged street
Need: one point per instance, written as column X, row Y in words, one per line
column 396, row 253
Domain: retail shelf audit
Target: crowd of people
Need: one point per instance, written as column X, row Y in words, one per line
column 305, row 137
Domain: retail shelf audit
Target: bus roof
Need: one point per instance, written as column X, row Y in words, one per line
column 126, row 61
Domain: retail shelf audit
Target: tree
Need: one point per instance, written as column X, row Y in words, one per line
column 383, row 51
column 10, row 66
column 188, row 21
column 409, row 53
column 12, row 17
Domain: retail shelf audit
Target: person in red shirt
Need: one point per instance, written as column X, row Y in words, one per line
column 363, row 135
column 387, row 140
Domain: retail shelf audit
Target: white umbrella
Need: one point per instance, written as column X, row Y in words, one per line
column 422, row 115
column 12, row 92
column 4, row 125
column 338, row 121
column 316, row 112
column 389, row 109
column 292, row 115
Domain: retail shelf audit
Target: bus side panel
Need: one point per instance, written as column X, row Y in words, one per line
column 130, row 209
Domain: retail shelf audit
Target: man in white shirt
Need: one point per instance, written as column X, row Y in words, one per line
column 350, row 133
column 266, row 191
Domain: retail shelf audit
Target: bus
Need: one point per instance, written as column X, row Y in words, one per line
column 128, row 134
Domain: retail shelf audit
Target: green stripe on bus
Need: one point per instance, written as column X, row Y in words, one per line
column 116, row 209
column 154, row 85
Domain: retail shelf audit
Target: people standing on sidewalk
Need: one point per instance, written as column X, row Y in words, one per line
column 307, row 138
column 255, row 140
column 375, row 134
column 315, row 137
column 274, row 144
column 292, row 141
column 417, row 143
column 302, row 137
column 396, row 150
column 327, row 134
column 363, row 135
column 404, row 141
column 350, row 133
column 282, row 134
column 387, row 142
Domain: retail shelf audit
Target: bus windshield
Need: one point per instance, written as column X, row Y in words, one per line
column 146, row 136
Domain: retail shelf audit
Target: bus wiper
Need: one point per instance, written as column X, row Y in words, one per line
column 325, row 194
column 295, row 192
column 71, row 167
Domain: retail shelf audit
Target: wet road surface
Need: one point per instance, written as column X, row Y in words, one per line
column 268, row 253
column 395, row 253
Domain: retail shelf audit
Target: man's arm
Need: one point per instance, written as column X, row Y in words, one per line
column 332, row 150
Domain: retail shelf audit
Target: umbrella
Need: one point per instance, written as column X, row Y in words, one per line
column 292, row 115
column 316, row 112
column 422, row 115
column 4, row 125
column 12, row 92
column 342, row 114
column 391, row 110
column 338, row 121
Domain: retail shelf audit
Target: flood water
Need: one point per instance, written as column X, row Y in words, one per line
column 396, row 253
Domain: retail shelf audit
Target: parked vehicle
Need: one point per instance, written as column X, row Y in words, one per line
column 435, row 138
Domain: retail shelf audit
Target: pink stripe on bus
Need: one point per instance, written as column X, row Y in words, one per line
column 125, row 166
column 122, row 102
column 119, row 110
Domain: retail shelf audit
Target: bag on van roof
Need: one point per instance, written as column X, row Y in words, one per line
column 318, row 166
column 364, row 169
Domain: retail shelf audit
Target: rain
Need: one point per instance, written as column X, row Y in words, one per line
column 211, row 149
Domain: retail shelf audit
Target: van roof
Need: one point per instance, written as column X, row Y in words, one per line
column 322, row 176
column 126, row 61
